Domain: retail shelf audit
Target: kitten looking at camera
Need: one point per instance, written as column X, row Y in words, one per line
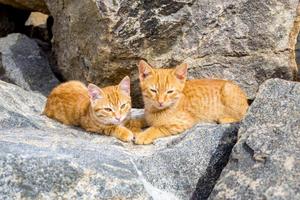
column 174, row 104
column 98, row 110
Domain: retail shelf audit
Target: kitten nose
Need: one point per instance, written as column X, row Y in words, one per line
column 118, row 116
column 160, row 100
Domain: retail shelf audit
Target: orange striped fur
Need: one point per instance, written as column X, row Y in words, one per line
column 174, row 104
column 96, row 110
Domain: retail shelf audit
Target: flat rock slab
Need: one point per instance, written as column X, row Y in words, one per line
column 23, row 63
column 265, row 161
column 40, row 158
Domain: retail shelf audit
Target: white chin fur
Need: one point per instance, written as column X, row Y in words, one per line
column 114, row 122
column 164, row 106
column 159, row 107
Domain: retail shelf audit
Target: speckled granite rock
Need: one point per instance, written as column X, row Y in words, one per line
column 40, row 158
column 23, row 63
column 265, row 161
column 247, row 41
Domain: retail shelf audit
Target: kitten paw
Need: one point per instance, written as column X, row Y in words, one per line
column 128, row 137
column 125, row 135
column 143, row 138
column 226, row 120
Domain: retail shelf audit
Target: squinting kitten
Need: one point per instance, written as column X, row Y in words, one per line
column 174, row 104
column 96, row 110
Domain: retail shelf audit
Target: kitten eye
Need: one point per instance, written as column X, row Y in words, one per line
column 108, row 109
column 170, row 91
column 153, row 90
column 123, row 105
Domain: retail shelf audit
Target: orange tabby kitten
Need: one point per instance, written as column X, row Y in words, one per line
column 174, row 104
column 94, row 109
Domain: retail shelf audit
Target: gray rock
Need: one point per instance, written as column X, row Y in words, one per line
column 25, row 64
column 265, row 161
column 42, row 159
column 297, row 50
column 30, row 5
column 247, row 41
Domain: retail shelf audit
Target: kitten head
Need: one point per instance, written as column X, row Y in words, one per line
column 111, row 105
column 161, row 88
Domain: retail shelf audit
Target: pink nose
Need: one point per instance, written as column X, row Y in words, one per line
column 160, row 103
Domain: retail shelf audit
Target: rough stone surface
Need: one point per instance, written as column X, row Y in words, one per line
column 247, row 41
column 265, row 161
column 40, row 158
column 23, row 63
column 31, row 5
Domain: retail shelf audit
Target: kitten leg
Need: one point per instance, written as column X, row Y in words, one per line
column 225, row 120
column 122, row 133
column 136, row 125
column 152, row 133
column 119, row 132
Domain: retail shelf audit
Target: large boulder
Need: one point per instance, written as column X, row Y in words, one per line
column 40, row 158
column 23, row 63
column 31, row 5
column 265, row 161
column 247, row 41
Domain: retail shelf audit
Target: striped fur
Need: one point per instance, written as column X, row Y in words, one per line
column 174, row 104
column 96, row 110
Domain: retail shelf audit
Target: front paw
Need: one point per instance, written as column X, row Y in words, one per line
column 125, row 135
column 143, row 138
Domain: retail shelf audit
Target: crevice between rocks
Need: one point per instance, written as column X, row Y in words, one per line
column 217, row 163
column 16, row 20
column 294, row 45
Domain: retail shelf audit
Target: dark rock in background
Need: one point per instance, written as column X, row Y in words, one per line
column 37, row 26
column 12, row 20
column 265, row 161
column 25, row 64
column 247, row 41
column 34, row 24
column 30, row 5
column 40, row 158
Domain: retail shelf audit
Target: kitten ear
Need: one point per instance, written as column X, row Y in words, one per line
column 181, row 71
column 144, row 70
column 94, row 92
column 124, row 85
